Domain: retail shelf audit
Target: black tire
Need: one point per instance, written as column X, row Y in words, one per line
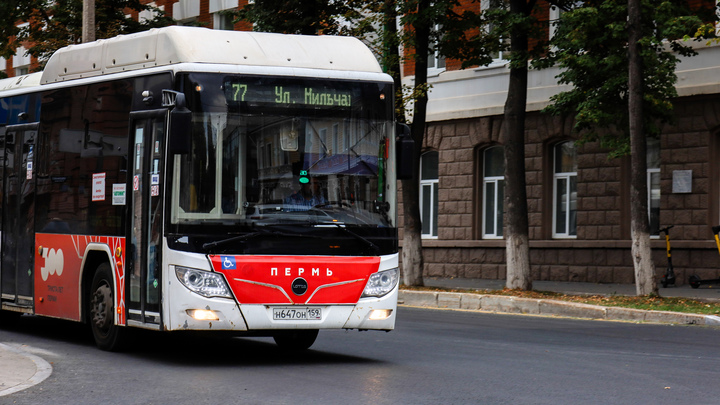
column 101, row 311
column 296, row 340
column 664, row 282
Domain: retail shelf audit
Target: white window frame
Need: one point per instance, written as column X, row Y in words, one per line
column 568, row 177
column 652, row 172
column 435, row 59
column 219, row 21
column 432, row 210
column 499, row 60
column 497, row 182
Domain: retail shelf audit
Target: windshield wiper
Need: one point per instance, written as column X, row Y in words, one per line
column 375, row 249
column 251, row 235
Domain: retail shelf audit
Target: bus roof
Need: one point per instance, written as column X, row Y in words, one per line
column 11, row 83
column 176, row 44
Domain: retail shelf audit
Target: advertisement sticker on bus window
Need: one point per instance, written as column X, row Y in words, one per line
column 154, row 191
column 118, row 195
column 29, row 171
column 138, row 147
column 154, row 179
column 98, row 187
column 136, row 182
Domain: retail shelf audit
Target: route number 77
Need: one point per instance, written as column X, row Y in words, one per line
column 239, row 91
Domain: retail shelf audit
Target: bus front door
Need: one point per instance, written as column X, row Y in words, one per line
column 17, row 240
column 146, row 213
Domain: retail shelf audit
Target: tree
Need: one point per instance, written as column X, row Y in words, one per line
column 53, row 25
column 474, row 39
column 418, row 27
column 616, row 56
column 309, row 17
column 426, row 22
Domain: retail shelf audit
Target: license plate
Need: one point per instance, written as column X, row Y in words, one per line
column 296, row 313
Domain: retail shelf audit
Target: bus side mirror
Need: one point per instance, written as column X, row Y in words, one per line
column 405, row 152
column 180, row 139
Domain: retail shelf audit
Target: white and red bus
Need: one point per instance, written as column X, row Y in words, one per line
column 187, row 179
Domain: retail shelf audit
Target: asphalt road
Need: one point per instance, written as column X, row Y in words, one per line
column 433, row 357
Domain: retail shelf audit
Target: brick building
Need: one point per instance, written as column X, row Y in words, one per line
column 578, row 199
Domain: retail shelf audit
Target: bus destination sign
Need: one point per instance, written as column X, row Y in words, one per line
column 286, row 94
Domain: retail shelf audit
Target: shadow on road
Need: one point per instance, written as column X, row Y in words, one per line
column 183, row 348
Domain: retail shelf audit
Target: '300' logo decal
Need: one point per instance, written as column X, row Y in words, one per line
column 54, row 262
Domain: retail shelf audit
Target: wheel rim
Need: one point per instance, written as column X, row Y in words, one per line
column 101, row 310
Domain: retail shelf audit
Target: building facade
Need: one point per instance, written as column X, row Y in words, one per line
column 578, row 198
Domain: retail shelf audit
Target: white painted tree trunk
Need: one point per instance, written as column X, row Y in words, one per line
column 518, row 262
column 645, row 282
column 412, row 259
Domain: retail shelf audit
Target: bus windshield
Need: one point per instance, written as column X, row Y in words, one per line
column 269, row 150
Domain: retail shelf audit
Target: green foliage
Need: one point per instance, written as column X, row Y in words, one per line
column 58, row 23
column 591, row 49
column 306, row 17
column 477, row 39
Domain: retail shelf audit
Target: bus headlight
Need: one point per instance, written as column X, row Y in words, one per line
column 381, row 283
column 202, row 282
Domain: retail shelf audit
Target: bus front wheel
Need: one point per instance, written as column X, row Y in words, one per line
column 295, row 340
column 108, row 336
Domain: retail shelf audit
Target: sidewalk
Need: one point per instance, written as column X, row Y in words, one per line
column 507, row 304
column 20, row 370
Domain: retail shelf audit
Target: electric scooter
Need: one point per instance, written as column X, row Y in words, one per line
column 669, row 276
column 696, row 281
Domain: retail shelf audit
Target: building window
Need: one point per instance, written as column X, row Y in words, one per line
column 21, row 61
column 485, row 5
column 565, row 190
column 149, row 15
column 186, row 12
column 436, row 61
column 653, row 184
column 493, row 192
column 429, row 194
column 223, row 21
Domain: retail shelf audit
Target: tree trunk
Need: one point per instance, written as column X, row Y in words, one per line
column 88, row 21
column 645, row 282
column 412, row 255
column 517, row 248
column 391, row 55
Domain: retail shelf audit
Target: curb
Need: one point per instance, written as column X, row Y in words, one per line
column 27, row 370
column 546, row 307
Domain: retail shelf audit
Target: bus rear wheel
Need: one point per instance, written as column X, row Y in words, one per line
column 108, row 336
column 296, row 340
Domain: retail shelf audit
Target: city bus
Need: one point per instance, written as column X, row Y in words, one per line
column 188, row 179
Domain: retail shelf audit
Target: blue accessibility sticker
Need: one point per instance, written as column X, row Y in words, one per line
column 228, row 262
